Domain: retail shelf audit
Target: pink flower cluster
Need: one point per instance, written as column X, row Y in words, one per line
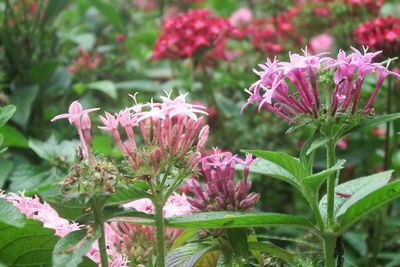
column 190, row 35
column 86, row 61
column 172, row 125
column 380, row 34
column 273, row 92
column 220, row 191
column 34, row 209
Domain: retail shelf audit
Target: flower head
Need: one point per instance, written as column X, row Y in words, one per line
column 220, row 191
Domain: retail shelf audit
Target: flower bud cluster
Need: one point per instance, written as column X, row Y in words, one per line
column 220, row 191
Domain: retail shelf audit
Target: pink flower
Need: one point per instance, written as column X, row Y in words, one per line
column 342, row 144
column 86, row 61
column 220, row 192
column 321, row 43
column 120, row 38
column 79, row 117
column 241, row 17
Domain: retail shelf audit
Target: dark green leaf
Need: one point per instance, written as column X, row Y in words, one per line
column 42, row 71
column 223, row 219
column 209, row 259
column 271, row 249
column 373, row 122
column 269, row 168
column 11, row 215
column 315, row 181
column 116, row 211
column 237, row 238
column 109, row 11
column 70, row 209
column 86, row 262
column 288, row 163
column 31, row 245
column 368, row 203
column 307, row 160
column 192, row 261
column 142, row 85
column 13, row 137
column 356, row 187
column 5, row 170
column 54, row 7
column 23, row 98
column 6, row 113
column 64, row 256
column 124, row 195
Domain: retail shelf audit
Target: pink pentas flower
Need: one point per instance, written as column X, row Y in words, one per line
column 241, row 17
column 321, row 43
column 302, row 95
column 85, row 61
column 220, row 191
column 79, row 117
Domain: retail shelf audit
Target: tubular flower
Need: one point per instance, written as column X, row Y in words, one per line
column 305, row 73
column 168, row 130
column 86, row 61
column 220, row 191
column 190, row 35
column 80, row 118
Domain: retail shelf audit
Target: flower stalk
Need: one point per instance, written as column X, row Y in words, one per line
column 159, row 220
column 330, row 161
column 98, row 220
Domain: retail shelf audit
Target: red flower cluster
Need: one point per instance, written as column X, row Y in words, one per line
column 191, row 34
column 86, row 61
column 271, row 33
column 380, row 34
column 371, row 5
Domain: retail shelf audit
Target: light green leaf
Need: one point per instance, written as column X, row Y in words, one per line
column 183, row 237
column 307, row 160
column 11, row 215
column 23, row 98
column 107, row 87
column 269, row 168
column 271, row 249
column 209, row 259
column 5, row 170
column 194, row 261
column 139, row 85
column 62, row 258
column 223, row 219
column 6, row 113
column 54, row 7
column 316, row 144
column 368, row 203
column 285, row 161
column 50, row 149
column 177, row 257
column 70, row 209
column 315, row 181
column 356, row 187
column 124, row 195
column 27, row 246
column 373, row 122
column 110, row 12
column 13, row 137
column 85, row 41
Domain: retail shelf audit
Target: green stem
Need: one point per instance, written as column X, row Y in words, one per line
column 317, row 213
column 97, row 212
column 330, row 161
column 329, row 250
column 158, row 213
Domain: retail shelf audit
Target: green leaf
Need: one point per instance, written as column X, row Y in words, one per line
column 194, row 260
column 50, row 149
column 107, row 87
column 271, row 249
column 315, row 181
column 177, row 257
column 76, row 240
column 70, row 209
column 54, row 7
column 6, row 113
column 116, row 211
column 368, row 203
column 42, row 71
column 110, row 12
column 183, row 237
column 11, row 215
column 34, row 179
column 316, row 144
column 373, row 122
column 124, row 195
column 142, row 85
column 86, row 262
column 307, row 160
column 223, row 219
column 209, row 259
column 356, row 187
column 23, row 98
column 268, row 168
column 13, row 137
column 237, row 238
column 5, row 170
column 27, row 246
column 288, row 163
